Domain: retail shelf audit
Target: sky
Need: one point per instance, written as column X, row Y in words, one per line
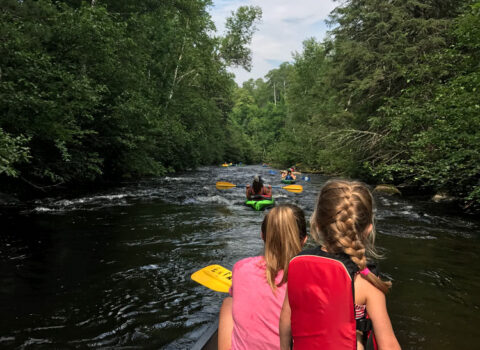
column 285, row 25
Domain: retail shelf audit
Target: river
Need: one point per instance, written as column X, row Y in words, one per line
column 112, row 269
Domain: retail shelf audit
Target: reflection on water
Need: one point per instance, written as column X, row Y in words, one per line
column 112, row 269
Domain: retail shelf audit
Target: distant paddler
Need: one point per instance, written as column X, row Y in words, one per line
column 288, row 176
column 293, row 168
column 257, row 190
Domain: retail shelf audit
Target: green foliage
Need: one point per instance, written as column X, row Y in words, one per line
column 46, row 93
column 391, row 96
column 259, row 114
column 12, row 151
column 431, row 131
column 239, row 31
column 313, row 117
column 111, row 89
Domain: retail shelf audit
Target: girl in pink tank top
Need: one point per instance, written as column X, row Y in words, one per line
column 249, row 317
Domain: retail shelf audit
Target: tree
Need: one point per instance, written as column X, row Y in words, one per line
column 239, row 31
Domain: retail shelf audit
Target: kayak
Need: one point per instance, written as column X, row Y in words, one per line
column 209, row 339
column 290, row 182
column 260, row 204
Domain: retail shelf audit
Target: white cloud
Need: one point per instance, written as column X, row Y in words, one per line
column 285, row 25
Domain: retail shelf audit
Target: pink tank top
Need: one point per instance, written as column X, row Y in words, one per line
column 256, row 309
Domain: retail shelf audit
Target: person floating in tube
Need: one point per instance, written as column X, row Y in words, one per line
column 257, row 190
column 289, row 175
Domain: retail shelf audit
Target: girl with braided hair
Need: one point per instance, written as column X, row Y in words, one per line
column 330, row 288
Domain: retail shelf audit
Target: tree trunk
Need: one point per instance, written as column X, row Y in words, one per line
column 274, row 95
column 175, row 74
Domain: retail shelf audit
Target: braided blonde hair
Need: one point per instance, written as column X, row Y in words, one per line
column 341, row 222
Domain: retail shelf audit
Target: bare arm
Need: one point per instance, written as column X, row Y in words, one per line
column 285, row 324
column 247, row 190
column 225, row 325
column 377, row 310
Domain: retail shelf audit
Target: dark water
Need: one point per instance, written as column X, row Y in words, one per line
column 112, row 270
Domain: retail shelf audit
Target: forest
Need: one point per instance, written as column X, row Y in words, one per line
column 98, row 91
column 391, row 96
column 106, row 90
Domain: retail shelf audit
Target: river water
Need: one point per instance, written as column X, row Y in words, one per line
column 112, row 269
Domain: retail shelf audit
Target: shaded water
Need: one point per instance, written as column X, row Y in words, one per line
column 112, row 269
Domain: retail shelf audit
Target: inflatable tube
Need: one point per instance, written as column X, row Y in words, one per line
column 260, row 204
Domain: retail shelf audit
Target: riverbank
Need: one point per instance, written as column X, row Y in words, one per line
column 414, row 192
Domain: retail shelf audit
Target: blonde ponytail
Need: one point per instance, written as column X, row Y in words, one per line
column 283, row 230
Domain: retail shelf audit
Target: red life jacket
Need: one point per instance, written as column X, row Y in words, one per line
column 321, row 297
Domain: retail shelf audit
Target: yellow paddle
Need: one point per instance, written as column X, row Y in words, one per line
column 214, row 277
column 221, row 185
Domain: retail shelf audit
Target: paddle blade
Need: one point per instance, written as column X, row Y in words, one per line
column 214, row 277
column 221, row 185
column 294, row 188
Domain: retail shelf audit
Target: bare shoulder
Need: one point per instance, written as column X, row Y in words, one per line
column 365, row 292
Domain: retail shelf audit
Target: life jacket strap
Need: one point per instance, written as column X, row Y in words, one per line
column 364, row 325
